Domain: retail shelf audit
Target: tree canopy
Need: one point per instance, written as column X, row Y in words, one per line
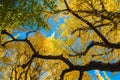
column 88, row 39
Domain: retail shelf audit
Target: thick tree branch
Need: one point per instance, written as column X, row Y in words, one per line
column 60, row 57
column 112, row 67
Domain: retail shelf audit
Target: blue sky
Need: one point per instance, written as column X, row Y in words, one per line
column 109, row 74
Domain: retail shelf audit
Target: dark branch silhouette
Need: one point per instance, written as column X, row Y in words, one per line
column 88, row 28
column 81, row 75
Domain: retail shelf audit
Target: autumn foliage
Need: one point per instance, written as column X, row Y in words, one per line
column 88, row 38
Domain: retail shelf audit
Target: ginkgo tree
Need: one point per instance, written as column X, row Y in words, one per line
column 89, row 39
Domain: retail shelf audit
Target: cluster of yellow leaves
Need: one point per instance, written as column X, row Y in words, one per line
column 74, row 75
column 86, row 76
column 112, row 5
column 46, row 46
column 2, row 51
column 54, row 70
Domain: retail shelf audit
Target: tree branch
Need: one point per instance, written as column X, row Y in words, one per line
column 112, row 67
column 88, row 28
column 102, row 4
column 30, row 32
column 81, row 75
column 64, row 72
column 59, row 57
